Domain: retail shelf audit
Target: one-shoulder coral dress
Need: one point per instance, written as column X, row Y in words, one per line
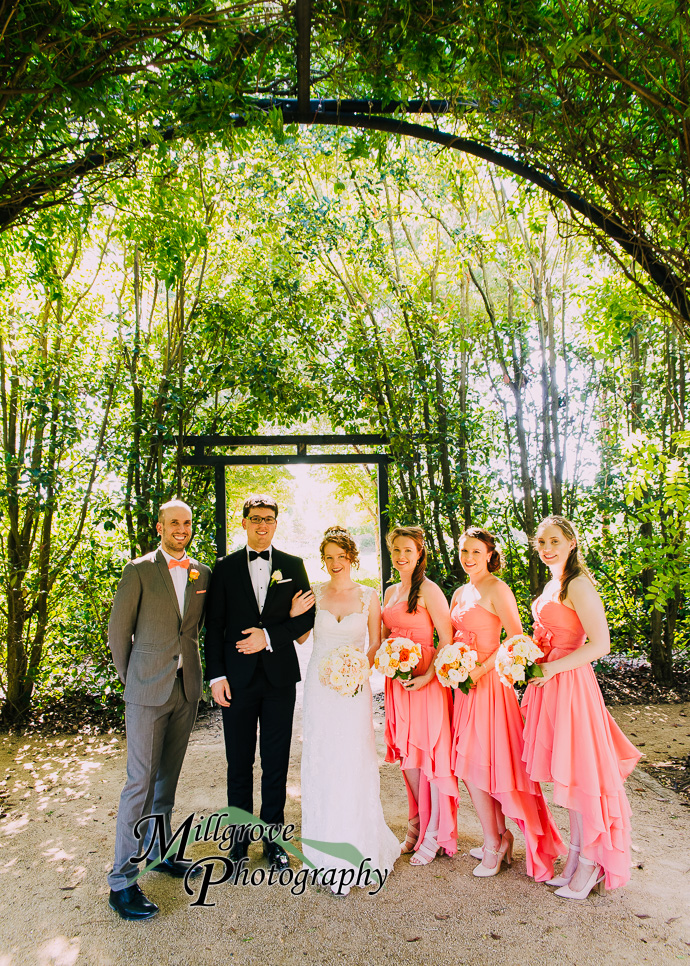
column 572, row 741
column 487, row 744
column 418, row 728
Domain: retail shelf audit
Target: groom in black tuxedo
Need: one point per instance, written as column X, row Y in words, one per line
column 252, row 665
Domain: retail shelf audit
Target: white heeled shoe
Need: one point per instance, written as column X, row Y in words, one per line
column 563, row 880
column 478, row 851
column 504, row 854
column 595, row 883
column 426, row 853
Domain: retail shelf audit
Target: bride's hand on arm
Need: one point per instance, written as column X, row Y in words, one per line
column 582, row 594
column 303, row 601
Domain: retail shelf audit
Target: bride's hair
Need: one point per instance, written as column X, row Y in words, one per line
column 416, row 534
column 341, row 538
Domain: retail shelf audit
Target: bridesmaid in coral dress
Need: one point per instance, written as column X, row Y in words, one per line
column 487, row 723
column 418, row 711
column 570, row 738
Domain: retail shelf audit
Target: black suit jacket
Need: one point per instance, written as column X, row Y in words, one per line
column 231, row 607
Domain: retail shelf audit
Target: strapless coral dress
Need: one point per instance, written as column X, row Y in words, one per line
column 572, row 741
column 487, row 745
column 418, row 728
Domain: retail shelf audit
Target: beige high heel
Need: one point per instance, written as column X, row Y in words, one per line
column 504, row 854
column 563, row 880
column 595, row 883
column 478, row 851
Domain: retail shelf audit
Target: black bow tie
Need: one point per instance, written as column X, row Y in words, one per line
column 253, row 554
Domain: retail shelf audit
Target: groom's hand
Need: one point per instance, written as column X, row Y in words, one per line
column 221, row 692
column 255, row 641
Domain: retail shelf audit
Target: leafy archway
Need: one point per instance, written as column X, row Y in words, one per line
column 587, row 101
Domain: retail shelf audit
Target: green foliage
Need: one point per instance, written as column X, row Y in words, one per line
column 328, row 280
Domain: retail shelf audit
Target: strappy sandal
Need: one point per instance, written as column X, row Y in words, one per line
column 426, row 852
column 411, row 837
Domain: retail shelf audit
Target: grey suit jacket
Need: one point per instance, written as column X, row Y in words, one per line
column 147, row 633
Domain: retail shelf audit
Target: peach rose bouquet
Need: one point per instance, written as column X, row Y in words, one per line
column 345, row 670
column 516, row 660
column 453, row 665
column 398, row 657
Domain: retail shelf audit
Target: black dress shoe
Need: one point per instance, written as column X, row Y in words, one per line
column 238, row 851
column 276, row 855
column 177, row 868
column 131, row 903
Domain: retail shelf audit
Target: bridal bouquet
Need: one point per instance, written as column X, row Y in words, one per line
column 397, row 657
column 453, row 665
column 516, row 660
column 344, row 670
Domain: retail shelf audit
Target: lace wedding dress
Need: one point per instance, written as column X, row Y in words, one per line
column 341, row 800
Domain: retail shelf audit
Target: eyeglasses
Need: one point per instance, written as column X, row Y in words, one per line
column 257, row 520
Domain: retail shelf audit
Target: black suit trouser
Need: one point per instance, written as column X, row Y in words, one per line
column 260, row 705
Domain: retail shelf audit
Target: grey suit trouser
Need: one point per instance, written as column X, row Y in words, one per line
column 157, row 739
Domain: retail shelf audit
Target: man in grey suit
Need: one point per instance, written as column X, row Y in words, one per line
column 154, row 638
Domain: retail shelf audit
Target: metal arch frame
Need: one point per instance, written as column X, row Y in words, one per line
column 201, row 457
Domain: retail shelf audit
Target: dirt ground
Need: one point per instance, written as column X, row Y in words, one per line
column 56, row 845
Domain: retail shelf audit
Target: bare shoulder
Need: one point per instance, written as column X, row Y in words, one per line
column 583, row 593
column 389, row 593
column 432, row 594
column 500, row 590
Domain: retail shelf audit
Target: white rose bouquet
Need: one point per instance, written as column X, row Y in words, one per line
column 344, row 670
column 453, row 665
column 397, row 657
column 516, row 660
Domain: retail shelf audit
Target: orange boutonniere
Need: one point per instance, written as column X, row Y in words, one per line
column 193, row 574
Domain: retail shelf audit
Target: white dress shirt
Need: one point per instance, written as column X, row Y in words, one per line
column 179, row 578
column 260, row 576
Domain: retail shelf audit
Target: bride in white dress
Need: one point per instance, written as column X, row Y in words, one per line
column 341, row 800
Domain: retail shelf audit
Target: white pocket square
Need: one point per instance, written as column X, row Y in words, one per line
column 286, row 580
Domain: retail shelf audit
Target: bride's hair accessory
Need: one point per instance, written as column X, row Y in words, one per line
column 341, row 538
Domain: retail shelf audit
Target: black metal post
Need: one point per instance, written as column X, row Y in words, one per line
column 382, row 489
column 303, row 24
column 221, row 511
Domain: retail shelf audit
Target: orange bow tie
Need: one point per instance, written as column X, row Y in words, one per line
column 178, row 563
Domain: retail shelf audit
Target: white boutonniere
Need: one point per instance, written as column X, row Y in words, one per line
column 276, row 576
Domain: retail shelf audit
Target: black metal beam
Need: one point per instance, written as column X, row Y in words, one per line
column 271, row 459
column 362, row 439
